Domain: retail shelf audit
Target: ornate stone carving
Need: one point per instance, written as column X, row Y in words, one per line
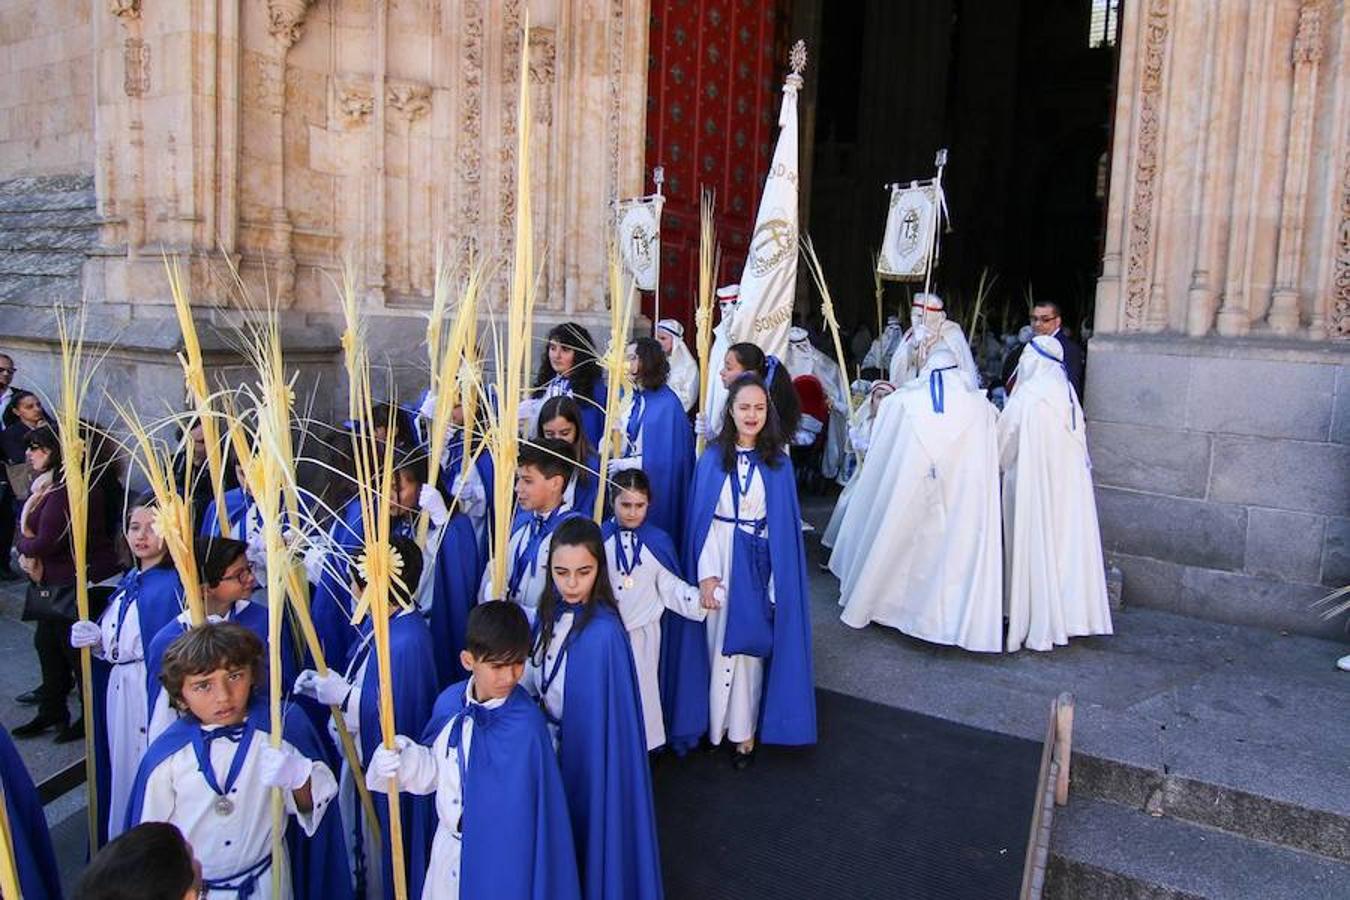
column 1308, row 41
column 1340, row 312
column 543, row 65
column 511, row 50
column 614, row 85
column 470, row 137
column 125, row 9
column 136, row 66
column 269, row 87
column 285, row 19
column 1145, row 177
column 411, row 100
column 355, row 102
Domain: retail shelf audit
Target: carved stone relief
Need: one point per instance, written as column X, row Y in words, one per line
column 125, row 9
column 1146, row 167
column 355, row 102
column 136, row 67
column 1340, row 314
column 285, row 19
column 543, row 64
column 470, row 155
column 411, row 100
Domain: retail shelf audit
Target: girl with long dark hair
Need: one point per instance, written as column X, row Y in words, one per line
column 749, row 677
column 745, row 358
column 560, row 419
column 657, row 437
column 581, row 669
column 568, row 366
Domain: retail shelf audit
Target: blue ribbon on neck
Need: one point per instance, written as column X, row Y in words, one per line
column 937, row 389
column 1073, row 412
column 634, row 426
column 242, row 734
column 621, row 560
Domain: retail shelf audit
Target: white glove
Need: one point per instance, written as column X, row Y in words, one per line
column 85, row 634
column 623, row 465
column 428, row 408
column 255, row 551
column 313, row 560
column 860, row 438
column 700, row 425
column 285, row 769
column 330, row 689
column 472, row 497
column 433, row 504
column 529, row 409
column 385, row 763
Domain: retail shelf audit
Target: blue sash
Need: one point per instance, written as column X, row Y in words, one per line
column 749, row 630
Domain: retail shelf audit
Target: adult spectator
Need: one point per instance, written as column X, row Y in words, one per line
column 1047, row 321
column 47, row 557
column 152, row 861
column 6, row 390
column 24, row 412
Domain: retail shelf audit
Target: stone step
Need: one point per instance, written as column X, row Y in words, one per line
column 47, row 193
column 1105, row 851
column 40, row 262
column 72, row 239
column 39, row 290
column 76, row 217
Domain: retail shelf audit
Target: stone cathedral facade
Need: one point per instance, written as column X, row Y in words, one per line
column 289, row 135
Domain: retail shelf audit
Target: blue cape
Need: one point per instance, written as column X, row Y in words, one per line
column 459, row 570
column 39, row 879
column 482, row 464
column 237, row 505
column 787, row 710
column 517, row 837
column 654, row 540
column 253, row 617
column 414, row 686
column 330, row 601
column 588, row 485
column 603, row 756
column 667, row 458
column 319, row 864
column 158, row 597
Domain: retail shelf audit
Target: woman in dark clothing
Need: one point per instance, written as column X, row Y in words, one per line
column 47, row 556
column 23, row 413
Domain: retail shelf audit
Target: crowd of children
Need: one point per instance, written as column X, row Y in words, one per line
column 526, row 712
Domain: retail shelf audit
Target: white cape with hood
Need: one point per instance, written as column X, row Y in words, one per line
column 919, row 546
column 802, row 358
column 1056, row 579
column 683, row 371
column 904, row 363
column 860, row 433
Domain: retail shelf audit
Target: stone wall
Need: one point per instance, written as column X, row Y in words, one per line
column 46, row 79
column 1223, row 475
column 1219, row 377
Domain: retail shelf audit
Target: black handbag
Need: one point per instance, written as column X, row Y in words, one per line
column 45, row 601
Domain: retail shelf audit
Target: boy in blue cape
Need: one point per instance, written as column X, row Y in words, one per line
column 331, row 608
column 658, row 438
column 745, row 674
column 356, row 690
column 581, row 670
column 227, row 582
column 212, row 772
column 645, row 573
column 542, row 469
column 503, row 829
column 39, row 879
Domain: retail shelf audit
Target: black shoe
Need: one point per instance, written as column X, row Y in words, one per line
column 41, row 724
column 30, row 698
column 740, row 761
column 72, row 732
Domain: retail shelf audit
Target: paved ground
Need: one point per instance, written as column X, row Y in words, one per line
column 1236, row 706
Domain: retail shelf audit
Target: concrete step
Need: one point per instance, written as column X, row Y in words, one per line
column 40, row 263
column 69, row 239
column 1105, row 851
column 47, row 193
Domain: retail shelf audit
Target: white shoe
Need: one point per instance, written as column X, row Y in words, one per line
column 1344, row 663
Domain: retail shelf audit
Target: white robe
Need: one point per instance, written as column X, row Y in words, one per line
column 683, row 374
column 906, row 364
column 655, row 589
column 127, row 711
column 736, row 682
column 918, row 548
column 1055, row 575
column 531, row 586
column 807, row 360
column 859, row 430
column 177, row 792
column 717, row 392
column 435, row 769
column 883, row 348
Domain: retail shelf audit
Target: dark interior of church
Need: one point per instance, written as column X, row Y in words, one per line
column 1019, row 91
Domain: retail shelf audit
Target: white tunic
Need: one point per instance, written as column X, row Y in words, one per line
column 654, row 590
column 536, row 675
column 919, row 545
column 531, row 586
column 802, row 358
column 684, row 375
column 126, row 712
column 909, row 358
column 736, row 681
column 424, row 770
column 177, row 792
column 1053, row 567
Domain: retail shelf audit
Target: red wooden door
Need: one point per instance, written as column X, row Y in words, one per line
column 713, row 91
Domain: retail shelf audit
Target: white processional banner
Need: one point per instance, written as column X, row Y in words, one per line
column 639, row 234
column 769, row 282
column 911, row 227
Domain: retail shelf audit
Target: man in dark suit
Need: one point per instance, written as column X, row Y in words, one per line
column 1046, row 321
